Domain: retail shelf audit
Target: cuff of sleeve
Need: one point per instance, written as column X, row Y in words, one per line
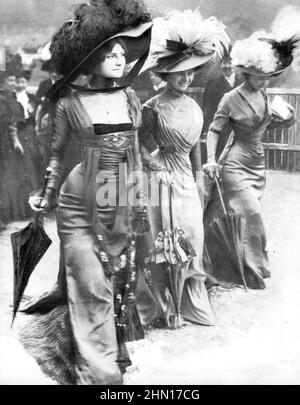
column 215, row 131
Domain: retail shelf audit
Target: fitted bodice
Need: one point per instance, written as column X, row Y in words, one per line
column 237, row 113
column 114, row 141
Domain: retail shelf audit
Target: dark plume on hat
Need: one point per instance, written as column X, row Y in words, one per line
column 91, row 24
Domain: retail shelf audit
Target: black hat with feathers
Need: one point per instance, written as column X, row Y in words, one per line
column 92, row 24
column 285, row 37
column 270, row 54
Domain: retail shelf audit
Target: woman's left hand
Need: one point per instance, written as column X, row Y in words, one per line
column 291, row 119
column 18, row 147
column 288, row 122
column 164, row 177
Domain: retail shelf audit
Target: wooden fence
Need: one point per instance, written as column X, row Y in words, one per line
column 282, row 146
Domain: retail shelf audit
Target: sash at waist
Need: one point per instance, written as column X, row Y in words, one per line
column 114, row 140
column 252, row 141
column 104, row 153
column 254, row 147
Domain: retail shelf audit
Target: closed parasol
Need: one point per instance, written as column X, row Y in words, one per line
column 174, row 248
column 228, row 230
column 28, row 245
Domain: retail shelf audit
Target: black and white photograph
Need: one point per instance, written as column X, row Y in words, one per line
column 149, row 194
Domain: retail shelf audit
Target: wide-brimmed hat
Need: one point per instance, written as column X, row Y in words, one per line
column 258, row 56
column 256, row 72
column 184, row 40
column 75, row 46
column 137, row 41
column 270, row 54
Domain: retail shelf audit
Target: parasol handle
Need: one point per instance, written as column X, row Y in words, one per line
column 46, row 181
column 170, row 189
column 170, row 194
column 221, row 196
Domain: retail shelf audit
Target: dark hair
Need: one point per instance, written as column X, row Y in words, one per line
column 100, row 55
column 48, row 66
column 164, row 75
column 245, row 76
column 93, row 23
column 26, row 74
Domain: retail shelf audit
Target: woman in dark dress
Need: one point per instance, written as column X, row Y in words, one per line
column 246, row 111
column 11, row 150
column 29, row 165
column 96, row 226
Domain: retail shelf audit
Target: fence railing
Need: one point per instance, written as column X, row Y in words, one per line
column 282, row 146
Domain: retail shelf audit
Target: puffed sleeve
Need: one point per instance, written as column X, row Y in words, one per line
column 61, row 137
column 221, row 122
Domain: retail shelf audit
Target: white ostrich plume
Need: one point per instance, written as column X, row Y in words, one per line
column 251, row 52
column 286, row 29
column 203, row 36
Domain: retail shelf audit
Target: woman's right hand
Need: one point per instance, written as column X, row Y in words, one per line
column 18, row 147
column 164, row 176
column 37, row 130
column 39, row 204
column 212, row 170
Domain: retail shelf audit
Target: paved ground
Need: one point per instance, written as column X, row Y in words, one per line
column 257, row 337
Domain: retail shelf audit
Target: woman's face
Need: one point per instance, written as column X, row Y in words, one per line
column 258, row 82
column 21, row 83
column 113, row 65
column 10, row 82
column 180, row 81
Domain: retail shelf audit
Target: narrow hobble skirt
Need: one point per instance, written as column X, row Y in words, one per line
column 89, row 289
column 243, row 181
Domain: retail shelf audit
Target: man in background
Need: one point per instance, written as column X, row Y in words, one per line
column 158, row 85
column 213, row 93
column 44, row 112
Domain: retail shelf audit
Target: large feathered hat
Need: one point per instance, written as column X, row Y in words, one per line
column 185, row 40
column 74, row 47
column 270, row 54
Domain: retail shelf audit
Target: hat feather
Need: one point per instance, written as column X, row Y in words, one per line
column 252, row 52
column 181, row 31
column 286, row 34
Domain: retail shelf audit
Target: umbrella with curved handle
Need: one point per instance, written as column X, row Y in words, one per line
column 228, row 229
column 28, row 245
column 178, row 253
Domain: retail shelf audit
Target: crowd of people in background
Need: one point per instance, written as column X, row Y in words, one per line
column 145, row 257
column 25, row 137
column 26, row 128
column 26, row 133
